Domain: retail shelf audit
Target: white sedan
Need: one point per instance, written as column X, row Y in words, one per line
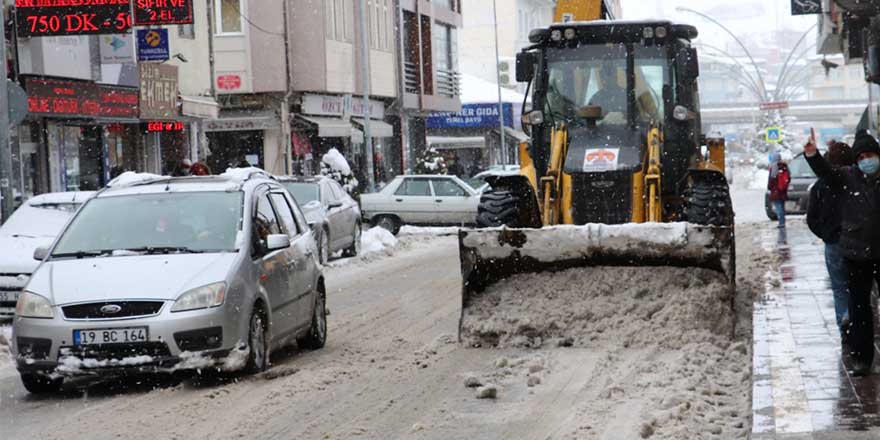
column 421, row 200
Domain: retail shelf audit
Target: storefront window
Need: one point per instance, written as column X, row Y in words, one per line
column 235, row 149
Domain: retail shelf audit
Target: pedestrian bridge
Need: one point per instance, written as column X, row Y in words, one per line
column 845, row 112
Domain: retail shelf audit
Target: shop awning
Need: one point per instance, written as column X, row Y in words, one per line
column 244, row 121
column 456, row 143
column 202, row 107
column 328, row 127
column 379, row 129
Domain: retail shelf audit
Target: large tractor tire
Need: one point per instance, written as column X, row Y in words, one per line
column 708, row 201
column 497, row 208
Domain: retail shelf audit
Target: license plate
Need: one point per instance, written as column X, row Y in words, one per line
column 110, row 336
column 8, row 296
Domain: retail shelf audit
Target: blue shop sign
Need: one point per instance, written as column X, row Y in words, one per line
column 472, row 116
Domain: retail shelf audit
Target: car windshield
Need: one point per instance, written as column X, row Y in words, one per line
column 43, row 220
column 166, row 222
column 596, row 75
column 303, row 192
column 800, row 169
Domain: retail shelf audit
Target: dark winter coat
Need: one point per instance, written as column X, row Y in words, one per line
column 778, row 184
column 859, row 235
column 824, row 211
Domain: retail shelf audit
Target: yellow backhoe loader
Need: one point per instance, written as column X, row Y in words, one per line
column 616, row 171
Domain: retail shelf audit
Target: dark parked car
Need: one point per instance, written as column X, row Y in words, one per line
column 802, row 178
column 335, row 216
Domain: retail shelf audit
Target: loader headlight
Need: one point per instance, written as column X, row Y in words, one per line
column 681, row 113
column 570, row 34
column 535, row 117
column 648, row 32
column 556, row 35
column 660, row 32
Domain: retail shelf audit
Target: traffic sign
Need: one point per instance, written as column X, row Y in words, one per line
column 782, row 105
column 774, row 135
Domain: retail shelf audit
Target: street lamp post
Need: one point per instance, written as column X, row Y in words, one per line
column 740, row 43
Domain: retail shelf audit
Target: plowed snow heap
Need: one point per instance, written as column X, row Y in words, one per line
column 569, row 285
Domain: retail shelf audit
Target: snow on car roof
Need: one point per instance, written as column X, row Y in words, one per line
column 234, row 179
column 59, row 198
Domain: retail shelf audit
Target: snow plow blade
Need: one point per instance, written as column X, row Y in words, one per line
column 493, row 254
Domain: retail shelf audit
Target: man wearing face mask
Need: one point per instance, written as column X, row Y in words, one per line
column 859, row 238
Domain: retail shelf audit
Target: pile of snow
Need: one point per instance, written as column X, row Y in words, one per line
column 428, row 231
column 376, row 240
column 590, row 306
column 6, row 360
column 334, row 165
column 133, row 178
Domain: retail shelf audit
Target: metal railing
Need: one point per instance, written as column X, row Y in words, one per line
column 411, row 79
column 448, row 83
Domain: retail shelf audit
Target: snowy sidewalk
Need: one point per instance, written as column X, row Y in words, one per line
column 801, row 389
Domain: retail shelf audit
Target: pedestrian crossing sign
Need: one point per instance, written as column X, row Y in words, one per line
column 774, row 135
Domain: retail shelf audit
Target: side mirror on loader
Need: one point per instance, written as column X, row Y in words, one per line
column 687, row 62
column 525, row 66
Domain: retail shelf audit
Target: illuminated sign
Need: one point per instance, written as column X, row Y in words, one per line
column 164, row 127
column 156, row 12
column 69, row 98
column 42, row 18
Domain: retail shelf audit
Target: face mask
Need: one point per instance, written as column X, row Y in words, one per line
column 870, row 165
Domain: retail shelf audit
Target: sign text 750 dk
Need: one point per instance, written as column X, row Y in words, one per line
column 43, row 18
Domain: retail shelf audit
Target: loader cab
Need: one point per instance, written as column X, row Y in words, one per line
column 638, row 72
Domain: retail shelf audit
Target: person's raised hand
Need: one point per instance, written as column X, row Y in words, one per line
column 810, row 149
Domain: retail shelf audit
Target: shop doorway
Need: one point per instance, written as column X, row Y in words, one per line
column 231, row 149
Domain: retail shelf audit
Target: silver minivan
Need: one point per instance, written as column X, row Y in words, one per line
column 158, row 274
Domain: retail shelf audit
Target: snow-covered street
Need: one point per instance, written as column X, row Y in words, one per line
column 393, row 369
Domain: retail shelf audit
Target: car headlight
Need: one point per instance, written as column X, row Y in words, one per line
column 31, row 305
column 203, row 297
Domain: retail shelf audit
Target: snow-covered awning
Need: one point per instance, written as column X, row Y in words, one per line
column 456, row 143
column 329, row 127
column 378, row 129
column 203, row 107
column 475, row 90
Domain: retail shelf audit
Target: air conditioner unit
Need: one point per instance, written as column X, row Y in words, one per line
column 507, row 72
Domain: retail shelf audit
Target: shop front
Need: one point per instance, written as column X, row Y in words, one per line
column 76, row 133
column 466, row 138
column 238, row 139
column 334, row 121
column 163, row 129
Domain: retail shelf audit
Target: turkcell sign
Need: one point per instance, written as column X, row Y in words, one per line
column 472, row 116
column 44, row 18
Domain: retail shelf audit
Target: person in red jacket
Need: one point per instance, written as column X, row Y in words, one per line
column 777, row 184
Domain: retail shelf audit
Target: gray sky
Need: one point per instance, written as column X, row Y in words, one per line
column 742, row 17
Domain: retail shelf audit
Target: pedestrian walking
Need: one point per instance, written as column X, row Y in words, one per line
column 859, row 242
column 777, row 184
column 823, row 219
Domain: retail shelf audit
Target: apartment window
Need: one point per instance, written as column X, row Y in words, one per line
column 338, row 18
column 229, row 14
column 187, row 31
column 446, row 47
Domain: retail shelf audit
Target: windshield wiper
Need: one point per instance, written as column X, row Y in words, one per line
column 164, row 250
column 83, row 254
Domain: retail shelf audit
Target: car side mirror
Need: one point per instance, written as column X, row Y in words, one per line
column 41, row 253
column 277, row 241
column 525, row 66
column 334, row 204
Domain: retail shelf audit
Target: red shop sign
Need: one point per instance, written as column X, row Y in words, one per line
column 229, row 82
column 70, row 98
column 41, row 18
column 156, row 12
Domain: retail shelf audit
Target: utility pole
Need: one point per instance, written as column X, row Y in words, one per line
column 504, row 160
column 365, row 81
column 5, row 149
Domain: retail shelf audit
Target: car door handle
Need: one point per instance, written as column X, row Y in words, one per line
column 439, row 201
column 398, row 200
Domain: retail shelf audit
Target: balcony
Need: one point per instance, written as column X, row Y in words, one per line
column 448, row 83
column 411, row 80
